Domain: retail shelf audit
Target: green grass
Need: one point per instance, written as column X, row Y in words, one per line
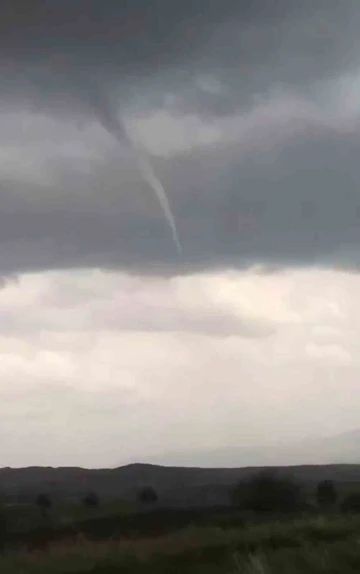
column 311, row 546
column 23, row 517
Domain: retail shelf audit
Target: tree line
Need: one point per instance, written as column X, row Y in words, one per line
column 268, row 491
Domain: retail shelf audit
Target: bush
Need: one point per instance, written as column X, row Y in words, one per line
column 147, row 495
column 326, row 494
column 44, row 503
column 268, row 492
column 91, row 500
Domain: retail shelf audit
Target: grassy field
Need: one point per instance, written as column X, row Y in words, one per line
column 121, row 537
column 313, row 545
column 24, row 517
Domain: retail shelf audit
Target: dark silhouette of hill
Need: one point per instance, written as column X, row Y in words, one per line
column 176, row 486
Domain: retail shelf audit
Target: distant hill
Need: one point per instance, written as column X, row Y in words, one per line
column 343, row 448
column 177, row 486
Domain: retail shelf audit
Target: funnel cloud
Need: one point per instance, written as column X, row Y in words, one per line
column 117, row 128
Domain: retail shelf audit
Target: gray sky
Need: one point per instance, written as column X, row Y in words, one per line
column 114, row 348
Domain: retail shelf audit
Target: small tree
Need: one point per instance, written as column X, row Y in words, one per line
column 44, row 503
column 91, row 500
column 267, row 492
column 147, row 495
column 326, row 494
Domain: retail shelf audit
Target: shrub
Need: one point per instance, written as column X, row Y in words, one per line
column 44, row 503
column 326, row 494
column 268, row 492
column 147, row 495
column 91, row 500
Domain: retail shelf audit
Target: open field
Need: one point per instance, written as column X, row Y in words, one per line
column 310, row 545
column 132, row 537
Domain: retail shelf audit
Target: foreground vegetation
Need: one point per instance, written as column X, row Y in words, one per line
column 312, row 545
column 274, row 525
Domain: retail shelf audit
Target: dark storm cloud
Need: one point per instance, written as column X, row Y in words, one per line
column 300, row 207
column 56, row 49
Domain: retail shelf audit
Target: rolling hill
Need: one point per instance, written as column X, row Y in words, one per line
column 336, row 457
column 177, row 486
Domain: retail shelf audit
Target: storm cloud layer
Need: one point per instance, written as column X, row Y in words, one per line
column 249, row 110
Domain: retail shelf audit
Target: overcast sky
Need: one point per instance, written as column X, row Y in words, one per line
column 113, row 347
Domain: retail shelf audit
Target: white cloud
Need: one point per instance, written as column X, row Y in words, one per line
column 100, row 368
